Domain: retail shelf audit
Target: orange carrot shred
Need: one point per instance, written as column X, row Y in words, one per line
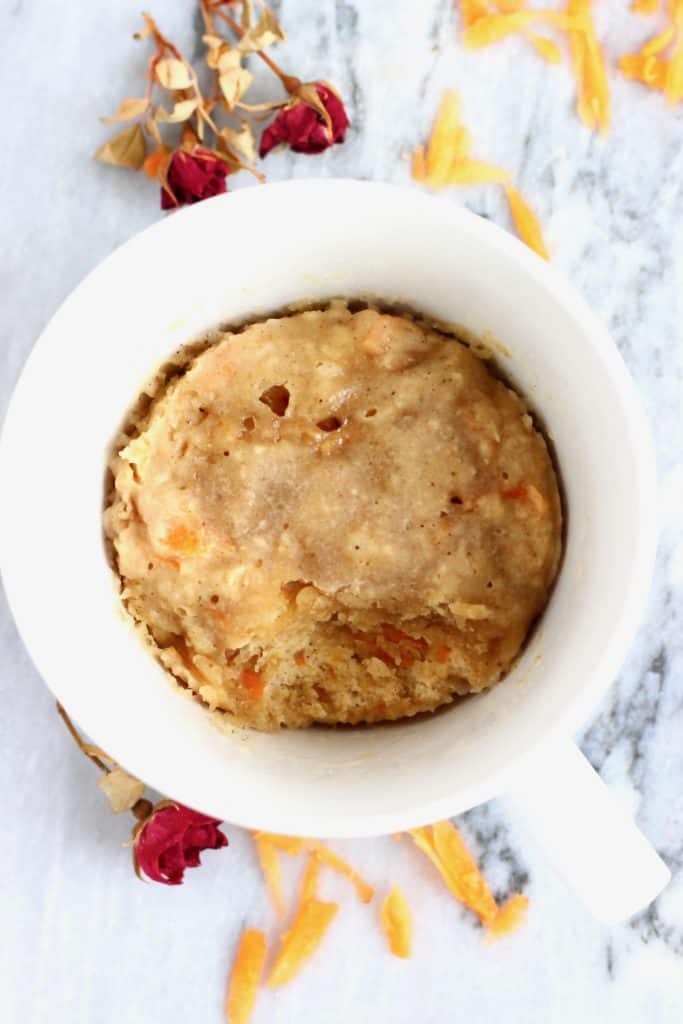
column 397, row 923
column 270, row 866
column 181, row 539
column 337, row 863
column 300, row 942
column 253, row 683
column 527, row 224
column 292, row 845
column 309, row 879
column 466, row 880
column 442, row 653
column 509, row 917
column 245, row 977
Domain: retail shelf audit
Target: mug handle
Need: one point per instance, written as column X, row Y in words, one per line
column 589, row 839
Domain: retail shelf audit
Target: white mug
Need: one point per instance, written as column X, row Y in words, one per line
column 256, row 251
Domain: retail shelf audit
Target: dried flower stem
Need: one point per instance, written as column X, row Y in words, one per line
column 83, row 747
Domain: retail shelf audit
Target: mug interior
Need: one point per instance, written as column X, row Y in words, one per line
column 254, row 252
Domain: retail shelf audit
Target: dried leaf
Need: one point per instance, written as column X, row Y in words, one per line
column 397, row 923
column 242, row 140
column 234, row 83
column 308, row 929
column 270, row 865
column 173, row 74
column 181, row 111
column 121, row 790
column 127, row 149
column 266, row 32
column 128, row 110
column 245, row 977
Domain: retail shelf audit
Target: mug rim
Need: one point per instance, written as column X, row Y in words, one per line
column 594, row 333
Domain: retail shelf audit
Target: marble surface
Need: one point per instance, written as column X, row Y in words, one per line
column 84, row 941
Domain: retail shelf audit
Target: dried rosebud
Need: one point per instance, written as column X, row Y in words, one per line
column 193, row 176
column 313, row 122
column 170, row 839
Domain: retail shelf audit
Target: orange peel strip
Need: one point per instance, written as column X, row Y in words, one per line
column 467, row 881
column 333, row 860
column 308, row 929
column 292, row 845
column 545, row 48
column 509, row 917
column 494, row 27
column 245, row 977
column 309, row 879
column 397, row 923
column 270, row 866
column 526, row 222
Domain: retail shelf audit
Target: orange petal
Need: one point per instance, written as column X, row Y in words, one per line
column 658, row 42
column 510, row 916
column 245, row 977
column 650, row 71
column 466, row 880
column 588, row 62
column 495, row 27
column 439, row 150
column 333, row 860
column 673, row 84
column 472, row 10
column 644, row 6
column 309, row 926
column 545, row 48
column 288, row 844
column 418, row 164
column 397, row 923
column 526, row 222
column 309, row 879
column 475, row 172
column 270, row 866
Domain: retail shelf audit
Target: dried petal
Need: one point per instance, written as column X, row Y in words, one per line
column 494, row 27
column 673, row 85
column 174, row 74
column 311, row 123
column 466, row 882
column 128, row 111
column 127, row 149
column 121, row 789
column 658, row 42
column 266, row 32
column 181, row 111
column 588, row 62
column 439, row 150
column 472, row 10
column 526, row 222
column 545, row 48
column 509, row 917
column 242, row 140
column 650, row 71
column 245, row 977
column 309, row 879
column 397, row 923
column 287, row 844
column 171, row 840
column 644, row 6
column 475, row 172
column 192, row 176
column 333, row 860
column 308, row 929
column 234, row 83
column 270, row 866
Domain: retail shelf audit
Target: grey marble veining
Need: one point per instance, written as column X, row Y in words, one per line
column 85, row 942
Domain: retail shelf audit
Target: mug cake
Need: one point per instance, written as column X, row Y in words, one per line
column 336, row 516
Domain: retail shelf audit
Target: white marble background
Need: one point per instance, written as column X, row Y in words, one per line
column 83, row 942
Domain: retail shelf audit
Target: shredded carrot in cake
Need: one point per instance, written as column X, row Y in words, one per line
column 333, row 860
column 182, row 539
column 397, row 923
column 300, row 942
column 509, row 917
column 245, row 977
column 253, row 683
column 270, row 866
column 526, row 222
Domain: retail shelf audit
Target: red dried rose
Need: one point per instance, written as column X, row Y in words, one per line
column 170, row 839
column 303, row 128
column 193, row 176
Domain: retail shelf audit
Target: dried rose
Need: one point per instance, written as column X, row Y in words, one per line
column 170, row 839
column 308, row 125
column 193, row 176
